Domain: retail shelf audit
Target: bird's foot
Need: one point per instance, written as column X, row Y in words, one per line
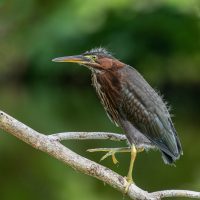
column 130, row 181
column 110, row 152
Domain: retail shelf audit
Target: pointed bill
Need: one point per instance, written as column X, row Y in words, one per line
column 75, row 59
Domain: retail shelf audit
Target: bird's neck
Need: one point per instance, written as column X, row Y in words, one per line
column 108, row 88
column 107, row 82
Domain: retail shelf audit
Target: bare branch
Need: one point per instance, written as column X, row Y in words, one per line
column 95, row 136
column 51, row 145
column 177, row 193
column 88, row 136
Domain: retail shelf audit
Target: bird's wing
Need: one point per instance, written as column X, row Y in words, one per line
column 144, row 108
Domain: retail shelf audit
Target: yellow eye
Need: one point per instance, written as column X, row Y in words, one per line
column 94, row 57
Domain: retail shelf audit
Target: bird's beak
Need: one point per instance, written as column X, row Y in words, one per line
column 75, row 59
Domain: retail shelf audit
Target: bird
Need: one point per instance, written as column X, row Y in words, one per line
column 132, row 104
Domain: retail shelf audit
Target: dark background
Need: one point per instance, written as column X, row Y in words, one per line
column 161, row 39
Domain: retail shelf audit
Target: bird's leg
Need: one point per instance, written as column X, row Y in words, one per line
column 111, row 152
column 129, row 177
column 133, row 156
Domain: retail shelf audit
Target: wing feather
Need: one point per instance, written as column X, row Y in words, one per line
column 148, row 113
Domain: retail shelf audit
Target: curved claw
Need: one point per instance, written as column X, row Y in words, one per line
column 114, row 159
column 110, row 153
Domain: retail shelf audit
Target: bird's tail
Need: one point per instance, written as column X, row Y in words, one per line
column 171, row 158
column 168, row 159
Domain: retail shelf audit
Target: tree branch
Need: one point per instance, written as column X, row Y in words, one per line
column 51, row 145
column 88, row 136
column 95, row 136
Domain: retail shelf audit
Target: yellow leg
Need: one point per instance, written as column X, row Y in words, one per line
column 129, row 177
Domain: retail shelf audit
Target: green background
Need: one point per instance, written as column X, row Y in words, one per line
column 161, row 39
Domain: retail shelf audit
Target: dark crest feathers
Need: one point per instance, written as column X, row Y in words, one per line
column 99, row 51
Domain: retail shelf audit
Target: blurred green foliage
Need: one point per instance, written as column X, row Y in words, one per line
column 159, row 38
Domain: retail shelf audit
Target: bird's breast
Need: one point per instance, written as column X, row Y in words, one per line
column 108, row 90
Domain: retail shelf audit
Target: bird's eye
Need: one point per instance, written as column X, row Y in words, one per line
column 94, row 57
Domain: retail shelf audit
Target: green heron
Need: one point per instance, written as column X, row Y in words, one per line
column 132, row 104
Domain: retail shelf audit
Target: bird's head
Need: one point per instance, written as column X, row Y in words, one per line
column 98, row 59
